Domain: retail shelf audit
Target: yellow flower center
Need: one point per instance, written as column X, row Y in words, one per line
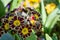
column 16, row 23
column 25, row 31
column 36, row 16
column 32, row 22
column 6, row 26
column 10, row 18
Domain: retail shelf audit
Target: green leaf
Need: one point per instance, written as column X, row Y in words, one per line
column 15, row 4
column 54, row 37
column 58, row 17
column 48, row 37
column 19, row 2
column 59, row 1
column 32, row 37
column 2, row 9
column 44, row 16
column 5, row 2
column 52, row 19
column 17, row 37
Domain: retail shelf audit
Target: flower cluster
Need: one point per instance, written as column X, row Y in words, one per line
column 21, row 21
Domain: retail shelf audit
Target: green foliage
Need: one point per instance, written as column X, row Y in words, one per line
column 2, row 9
column 32, row 37
column 52, row 19
column 15, row 4
column 44, row 16
column 47, row 21
column 54, row 37
column 5, row 2
column 48, row 37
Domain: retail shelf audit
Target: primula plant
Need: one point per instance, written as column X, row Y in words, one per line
column 30, row 19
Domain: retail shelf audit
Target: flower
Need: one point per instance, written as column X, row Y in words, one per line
column 36, row 15
column 16, row 22
column 25, row 31
column 37, row 1
column 31, row 3
column 34, row 3
column 5, row 25
column 1, row 31
column 50, row 7
column 24, row 4
column 9, row 16
column 37, row 26
column 32, row 22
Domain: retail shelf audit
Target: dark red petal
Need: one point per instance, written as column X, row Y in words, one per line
column 19, row 31
column 24, row 36
column 20, row 28
column 30, row 30
column 21, row 34
column 28, row 34
column 38, row 14
column 24, row 10
column 11, row 22
column 34, row 26
column 29, row 27
column 11, row 14
column 17, row 28
column 21, row 19
column 1, row 32
column 6, row 21
column 30, row 24
column 9, row 28
column 33, row 12
column 5, row 31
column 0, row 35
column 15, row 18
column 12, row 26
column 3, row 24
column 1, row 29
